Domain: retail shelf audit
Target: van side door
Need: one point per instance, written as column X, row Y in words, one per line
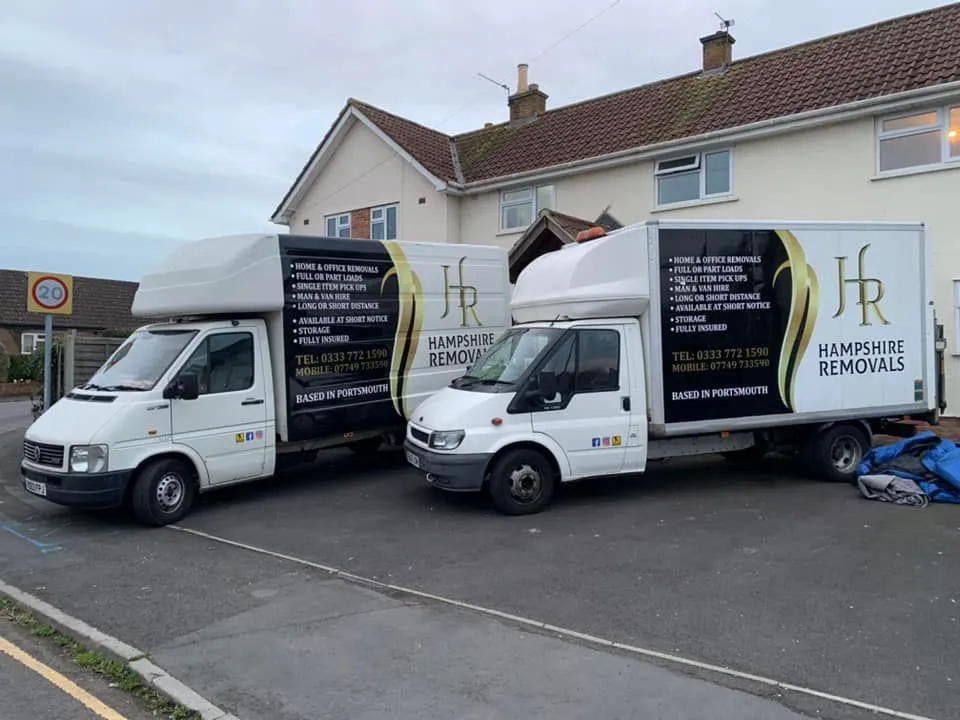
column 227, row 424
column 590, row 415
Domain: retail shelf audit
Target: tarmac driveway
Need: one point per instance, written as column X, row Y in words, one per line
column 764, row 571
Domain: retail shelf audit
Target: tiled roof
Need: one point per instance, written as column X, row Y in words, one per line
column 98, row 304
column 906, row 53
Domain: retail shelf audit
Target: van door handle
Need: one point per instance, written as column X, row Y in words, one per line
column 625, row 401
column 252, row 401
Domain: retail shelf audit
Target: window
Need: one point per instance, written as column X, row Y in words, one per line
column 223, row 363
column 338, row 225
column 520, row 206
column 919, row 140
column 30, row 343
column 383, row 223
column 694, row 177
column 587, row 361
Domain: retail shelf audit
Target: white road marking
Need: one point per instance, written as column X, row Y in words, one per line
column 564, row 632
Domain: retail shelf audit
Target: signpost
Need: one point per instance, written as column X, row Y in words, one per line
column 49, row 295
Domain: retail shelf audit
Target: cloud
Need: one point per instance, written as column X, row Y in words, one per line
column 129, row 127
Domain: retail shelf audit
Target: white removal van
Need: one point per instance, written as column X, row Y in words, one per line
column 679, row 338
column 271, row 348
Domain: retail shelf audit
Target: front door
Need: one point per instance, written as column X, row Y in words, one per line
column 227, row 424
column 590, row 418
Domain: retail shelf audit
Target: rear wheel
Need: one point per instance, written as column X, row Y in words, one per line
column 522, row 482
column 837, row 451
column 163, row 492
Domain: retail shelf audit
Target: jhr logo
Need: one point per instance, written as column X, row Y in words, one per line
column 464, row 291
column 865, row 287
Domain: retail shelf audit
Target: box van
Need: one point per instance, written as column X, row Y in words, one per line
column 676, row 338
column 271, row 348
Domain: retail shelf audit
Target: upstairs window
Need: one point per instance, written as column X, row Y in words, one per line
column 520, row 206
column 383, row 223
column 338, row 225
column 920, row 140
column 690, row 178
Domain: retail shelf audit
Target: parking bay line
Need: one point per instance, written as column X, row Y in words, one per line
column 63, row 683
column 562, row 632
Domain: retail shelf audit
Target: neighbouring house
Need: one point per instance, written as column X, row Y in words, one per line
column 99, row 306
column 861, row 125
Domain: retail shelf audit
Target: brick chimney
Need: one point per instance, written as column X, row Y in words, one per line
column 528, row 101
column 717, row 50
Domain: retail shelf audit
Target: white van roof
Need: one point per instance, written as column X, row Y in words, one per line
column 604, row 277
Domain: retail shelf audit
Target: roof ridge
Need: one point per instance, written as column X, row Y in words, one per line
column 736, row 63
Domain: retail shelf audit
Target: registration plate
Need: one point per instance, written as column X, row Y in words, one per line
column 37, row 488
column 413, row 459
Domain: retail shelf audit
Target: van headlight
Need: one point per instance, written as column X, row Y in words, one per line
column 446, row 439
column 88, row 458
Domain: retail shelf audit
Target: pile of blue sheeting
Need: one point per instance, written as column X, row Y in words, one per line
column 923, row 468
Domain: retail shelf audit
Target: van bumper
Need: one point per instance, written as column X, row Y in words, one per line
column 457, row 473
column 86, row 490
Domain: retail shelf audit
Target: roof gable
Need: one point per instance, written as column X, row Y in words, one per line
column 420, row 146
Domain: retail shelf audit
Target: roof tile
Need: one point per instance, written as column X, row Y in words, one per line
column 911, row 52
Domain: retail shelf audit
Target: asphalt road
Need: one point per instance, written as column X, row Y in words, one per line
column 763, row 572
column 59, row 689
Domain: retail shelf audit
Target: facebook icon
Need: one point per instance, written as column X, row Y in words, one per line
column 595, row 442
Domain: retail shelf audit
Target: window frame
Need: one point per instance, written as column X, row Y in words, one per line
column 942, row 126
column 205, row 342
column 339, row 225
column 523, row 402
column 533, row 201
column 698, row 164
column 38, row 340
column 383, row 220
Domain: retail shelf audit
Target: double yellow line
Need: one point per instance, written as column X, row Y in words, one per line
column 55, row 678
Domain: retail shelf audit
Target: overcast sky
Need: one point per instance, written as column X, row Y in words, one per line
column 130, row 126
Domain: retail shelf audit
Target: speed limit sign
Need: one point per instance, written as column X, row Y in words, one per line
column 50, row 294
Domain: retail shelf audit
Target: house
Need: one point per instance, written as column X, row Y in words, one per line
column 855, row 126
column 99, row 306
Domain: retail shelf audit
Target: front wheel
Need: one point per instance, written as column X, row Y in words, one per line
column 837, row 451
column 163, row 492
column 522, row 482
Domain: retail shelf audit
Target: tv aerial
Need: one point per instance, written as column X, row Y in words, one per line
column 725, row 24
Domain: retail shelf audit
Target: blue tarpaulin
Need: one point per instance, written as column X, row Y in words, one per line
column 930, row 461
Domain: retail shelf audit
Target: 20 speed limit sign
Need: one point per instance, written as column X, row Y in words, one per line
column 49, row 294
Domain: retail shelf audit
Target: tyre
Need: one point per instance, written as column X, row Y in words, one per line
column 522, row 482
column 367, row 446
column 837, row 451
column 163, row 492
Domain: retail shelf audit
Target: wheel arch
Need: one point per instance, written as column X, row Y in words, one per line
column 166, row 455
column 533, row 445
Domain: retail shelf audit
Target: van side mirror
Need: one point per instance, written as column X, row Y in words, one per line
column 185, row 386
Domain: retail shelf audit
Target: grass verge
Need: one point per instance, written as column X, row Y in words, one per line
column 115, row 673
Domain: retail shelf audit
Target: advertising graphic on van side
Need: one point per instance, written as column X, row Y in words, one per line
column 761, row 322
column 361, row 321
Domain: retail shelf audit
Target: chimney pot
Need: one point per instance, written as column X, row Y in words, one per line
column 521, row 78
column 529, row 101
column 717, row 50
